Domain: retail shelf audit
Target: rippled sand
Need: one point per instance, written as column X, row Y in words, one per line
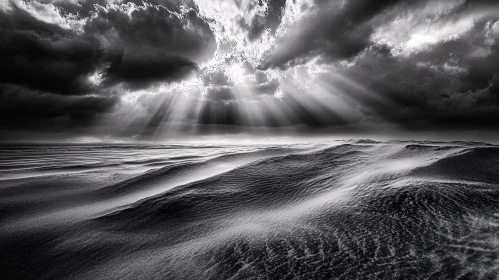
column 338, row 210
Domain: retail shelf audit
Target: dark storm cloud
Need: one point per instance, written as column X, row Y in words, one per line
column 21, row 108
column 449, row 83
column 142, row 70
column 330, row 29
column 353, row 64
column 274, row 14
column 151, row 29
column 445, row 85
column 151, row 44
column 44, row 56
column 45, row 77
column 269, row 20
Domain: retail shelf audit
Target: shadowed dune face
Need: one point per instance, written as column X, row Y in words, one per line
column 343, row 210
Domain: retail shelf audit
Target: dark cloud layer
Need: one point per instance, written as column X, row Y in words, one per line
column 22, row 109
column 44, row 64
column 44, row 56
column 332, row 30
column 444, row 86
column 151, row 44
column 341, row 64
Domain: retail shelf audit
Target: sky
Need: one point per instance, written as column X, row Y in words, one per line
column 130, row 70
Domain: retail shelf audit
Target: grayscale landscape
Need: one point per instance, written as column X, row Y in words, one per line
column 249, row 139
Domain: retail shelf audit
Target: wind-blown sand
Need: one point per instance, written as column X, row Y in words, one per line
column 343, row 210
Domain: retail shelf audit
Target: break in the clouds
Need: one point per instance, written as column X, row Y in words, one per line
column 163, row 68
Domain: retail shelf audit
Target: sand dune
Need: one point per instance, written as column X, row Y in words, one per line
column 344, row 210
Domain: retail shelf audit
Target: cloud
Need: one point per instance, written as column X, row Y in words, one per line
column 130, row 44
column 150, row 28
column 44, row 56
column 445, row 85
column 24, row 109
column 304, row 64
column 216, row 77
column 65, row 64
column 220, row 93
column 155, row 43
column 331, row 29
